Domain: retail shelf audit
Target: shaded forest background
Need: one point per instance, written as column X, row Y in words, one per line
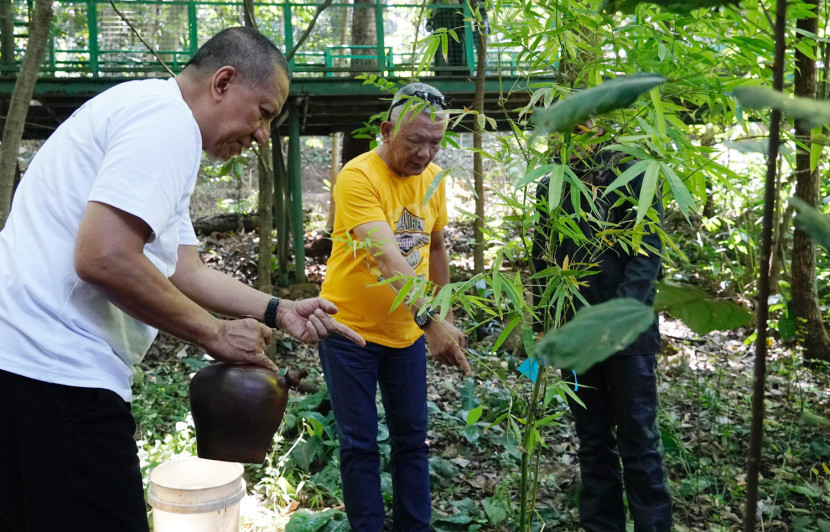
column 726, row 168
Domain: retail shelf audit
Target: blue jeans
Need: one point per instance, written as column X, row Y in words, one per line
column 619, row 423
column 352, row 375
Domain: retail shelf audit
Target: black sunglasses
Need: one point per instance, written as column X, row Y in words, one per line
column 443, row 102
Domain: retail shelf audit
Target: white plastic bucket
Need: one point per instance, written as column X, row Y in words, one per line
column 196, row 495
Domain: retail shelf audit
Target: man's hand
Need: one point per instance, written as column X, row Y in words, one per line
column 242, row 342
column 309, row 321
column 445, row 344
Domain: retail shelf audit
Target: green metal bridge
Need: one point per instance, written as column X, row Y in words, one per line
column 95, row 44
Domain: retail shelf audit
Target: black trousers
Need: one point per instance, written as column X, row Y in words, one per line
column 68, row 459
column 619, row 424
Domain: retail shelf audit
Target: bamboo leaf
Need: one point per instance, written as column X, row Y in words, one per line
column 433, row 186
column 675, row 6
column 624, row 178
column 617, row 93
column 630, row 150
column 812, row 222
column 533, row 175
column 814, row 113
column 698, row 310
column 815, row 151
column 681, row 193
column 402, row 294
column 595, row 333
column 557, row 177
column 648, row 189
column 506, row 332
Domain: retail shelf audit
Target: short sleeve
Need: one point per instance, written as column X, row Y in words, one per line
column 187, row 235
column 148, row 160
column 356, row 199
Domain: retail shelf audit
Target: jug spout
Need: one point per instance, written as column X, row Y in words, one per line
column 292, row 378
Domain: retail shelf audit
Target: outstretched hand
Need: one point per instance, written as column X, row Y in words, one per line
column 310, row 320
column 446, row 343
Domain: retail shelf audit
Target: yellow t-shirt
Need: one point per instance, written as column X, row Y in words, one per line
column 366, row 190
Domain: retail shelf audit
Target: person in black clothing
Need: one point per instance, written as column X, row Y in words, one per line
column 618, row 421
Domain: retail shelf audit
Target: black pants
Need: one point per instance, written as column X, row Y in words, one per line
column 619, row 422
column 68, row 459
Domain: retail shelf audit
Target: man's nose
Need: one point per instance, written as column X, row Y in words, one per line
column 263, row 133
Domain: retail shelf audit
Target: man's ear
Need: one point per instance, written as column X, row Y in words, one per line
column 221, row 80
column 387, row 128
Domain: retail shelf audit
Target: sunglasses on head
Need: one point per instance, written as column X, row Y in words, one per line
column 442, row 102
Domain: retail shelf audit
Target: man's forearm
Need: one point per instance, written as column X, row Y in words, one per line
column 138, row 288
column 392, row 264
column 215, row 290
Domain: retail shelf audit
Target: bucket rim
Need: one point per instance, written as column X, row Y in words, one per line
column 168, row 492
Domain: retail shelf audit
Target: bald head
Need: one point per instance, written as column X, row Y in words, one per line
column 254, row 57
column 413, row 94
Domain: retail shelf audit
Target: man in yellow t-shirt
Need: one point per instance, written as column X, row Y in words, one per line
column 379, row 201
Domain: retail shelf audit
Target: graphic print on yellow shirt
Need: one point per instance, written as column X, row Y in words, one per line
column 411, row 235
column 366, row 190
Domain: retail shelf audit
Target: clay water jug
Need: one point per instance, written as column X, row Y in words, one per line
column 237, row 409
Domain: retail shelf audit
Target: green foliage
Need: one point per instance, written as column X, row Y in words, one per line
column 698, row 310
column 595, row 333
column 676, row 6
column 614, row 94
column 310, row 521
column 814, row 223
column 813, row 112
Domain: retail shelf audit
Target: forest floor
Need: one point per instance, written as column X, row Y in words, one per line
column 705, row 386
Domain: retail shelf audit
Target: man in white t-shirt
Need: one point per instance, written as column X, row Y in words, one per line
column 97, row 254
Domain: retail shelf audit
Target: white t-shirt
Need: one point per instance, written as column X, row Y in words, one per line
column 135, row 147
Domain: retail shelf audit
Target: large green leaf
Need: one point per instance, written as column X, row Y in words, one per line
column 675, row 6
column 496, row 509
column 305, row 452
column 698, row 310
column 814, row 113
column 307, row 521
column 595, row 333
column 812, row 222
column 618, row 93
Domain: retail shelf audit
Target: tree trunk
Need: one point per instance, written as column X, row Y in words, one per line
column 364, row 32
column 336, row 139
column 225, row 223
column 248, row 13
column 804, row 292
column 7, row 12
column 353, row 147
column 341, row 22
column 478, row 170
column 265, row 167
column 24, row 87
column 756, row 434
column 266, row 218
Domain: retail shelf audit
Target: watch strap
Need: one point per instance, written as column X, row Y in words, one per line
column 270, row 318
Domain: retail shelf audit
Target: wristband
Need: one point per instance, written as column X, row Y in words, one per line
column 270, row 318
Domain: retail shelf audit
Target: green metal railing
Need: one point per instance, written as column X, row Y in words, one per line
column 90, row 39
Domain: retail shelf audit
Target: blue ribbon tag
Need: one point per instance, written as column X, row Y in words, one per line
column 530, row 369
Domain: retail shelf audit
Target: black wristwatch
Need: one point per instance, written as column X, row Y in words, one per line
column 270, row 317
column 424, row 316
